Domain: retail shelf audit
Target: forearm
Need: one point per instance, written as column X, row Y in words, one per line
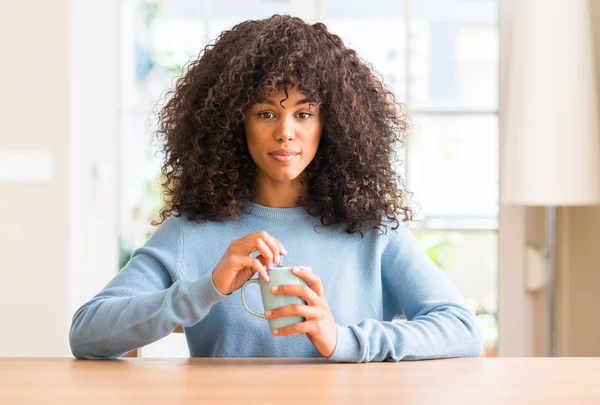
column 448, row 331
column 108, row 326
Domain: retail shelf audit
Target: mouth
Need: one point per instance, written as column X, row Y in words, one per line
column 284, row 155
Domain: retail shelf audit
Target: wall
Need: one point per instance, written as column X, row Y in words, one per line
column 581, row 302
column 58, row 238
column 536, row 237
column 579, row 266
column 33, row 229
column 515, row 305
column 522, row 315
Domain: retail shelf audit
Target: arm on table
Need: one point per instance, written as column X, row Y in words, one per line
column 438, row 323
column 142, row 304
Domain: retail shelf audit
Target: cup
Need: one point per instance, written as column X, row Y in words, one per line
column 277, row 276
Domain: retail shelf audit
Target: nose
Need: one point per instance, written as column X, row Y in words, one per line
column 285, row 131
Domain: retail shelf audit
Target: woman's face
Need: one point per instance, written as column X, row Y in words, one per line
column 283, row 138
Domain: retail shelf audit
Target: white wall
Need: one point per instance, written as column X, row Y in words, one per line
column 578, row 275
column 523, row 316
column 515, row 305
column 33, row 229
column 93, row 165
column 57, row 237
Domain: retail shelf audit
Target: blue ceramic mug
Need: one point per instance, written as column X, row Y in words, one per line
column 277, row 276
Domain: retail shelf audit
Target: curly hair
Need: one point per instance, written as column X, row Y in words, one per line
column 208, row 173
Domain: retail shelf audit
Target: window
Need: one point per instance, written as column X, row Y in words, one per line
column 439, row 57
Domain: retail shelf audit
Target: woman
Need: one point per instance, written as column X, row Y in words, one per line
column 279, row 143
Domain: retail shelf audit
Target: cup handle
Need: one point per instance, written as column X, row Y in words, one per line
column 255, row 281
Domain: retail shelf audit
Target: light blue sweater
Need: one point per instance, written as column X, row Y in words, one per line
column 168, row 282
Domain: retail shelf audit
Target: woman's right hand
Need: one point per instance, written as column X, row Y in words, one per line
column 237, row 264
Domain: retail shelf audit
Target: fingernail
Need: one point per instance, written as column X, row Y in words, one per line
column 284, row 251
column 267, row 278
column 274, row 289
column 276, row 332
column 277, row 259
column 268, row 313
column 295, row 270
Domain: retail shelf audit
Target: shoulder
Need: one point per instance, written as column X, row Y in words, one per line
column 168, row 230
column 172, row 233
column 399, row 238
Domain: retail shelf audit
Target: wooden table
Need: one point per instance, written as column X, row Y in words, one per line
column 299, row 381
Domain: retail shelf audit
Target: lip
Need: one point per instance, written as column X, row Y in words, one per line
column 284, row 155
column 283, row 152
column 283, row 158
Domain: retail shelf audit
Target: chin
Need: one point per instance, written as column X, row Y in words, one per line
column 287, row 175
column 284, row 177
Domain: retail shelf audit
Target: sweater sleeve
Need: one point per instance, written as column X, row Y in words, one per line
column 438, row 323
column 142, row 304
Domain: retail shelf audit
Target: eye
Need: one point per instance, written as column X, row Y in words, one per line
column 304, row 115
column 265, row 114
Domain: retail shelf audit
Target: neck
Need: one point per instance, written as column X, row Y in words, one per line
column 278, row 194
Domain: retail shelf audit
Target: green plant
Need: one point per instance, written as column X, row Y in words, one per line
column 125, row 253
column 439, row 246
column 488, row 324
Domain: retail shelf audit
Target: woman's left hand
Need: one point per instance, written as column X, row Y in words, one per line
column 319, row 325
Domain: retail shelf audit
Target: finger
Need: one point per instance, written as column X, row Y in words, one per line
column 302, row 291
column 262, row 260
column 296, row 329
column 311, row 278
column 258, row 241
column 282, row 249
column 275, row 246
column 250, row 243
column 265, row 252
column 301, row 310
column 274, row 243
column 256, row 267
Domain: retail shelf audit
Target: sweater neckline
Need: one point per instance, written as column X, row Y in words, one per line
column 277, row 213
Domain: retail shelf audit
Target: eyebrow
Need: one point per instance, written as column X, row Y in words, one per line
column 299, row 102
